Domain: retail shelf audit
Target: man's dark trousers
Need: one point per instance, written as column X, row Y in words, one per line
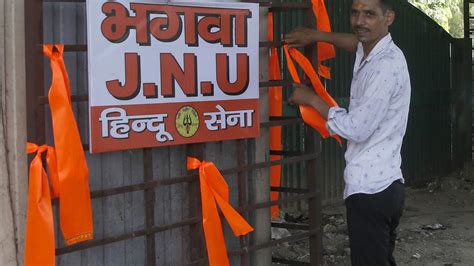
column 372, row 220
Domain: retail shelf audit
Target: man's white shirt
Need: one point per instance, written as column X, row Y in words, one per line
column 376, row 120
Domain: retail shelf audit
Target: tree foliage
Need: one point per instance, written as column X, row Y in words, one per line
column 447, row 13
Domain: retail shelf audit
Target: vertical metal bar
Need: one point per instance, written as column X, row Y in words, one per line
column 149, row 207
column 313, row 169
column 243, row 200
column 469, row 80
column 196, row 231
column 299, row 167
column 314, row 204
column 34, row 71
column 466, row 19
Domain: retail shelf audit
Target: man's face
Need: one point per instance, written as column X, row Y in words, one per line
column 369, row 21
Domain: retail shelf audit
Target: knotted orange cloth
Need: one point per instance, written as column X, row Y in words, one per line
column 310, row 115
column 72, row 187
column 214, row 189
column 39, row 242
column 275, row 109
column 325, row 50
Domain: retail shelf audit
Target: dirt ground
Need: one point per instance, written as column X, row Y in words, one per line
column 437, row 227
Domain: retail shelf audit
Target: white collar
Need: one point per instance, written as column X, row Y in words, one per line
column 379, row 47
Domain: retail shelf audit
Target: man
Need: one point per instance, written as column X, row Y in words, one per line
column 374, row 126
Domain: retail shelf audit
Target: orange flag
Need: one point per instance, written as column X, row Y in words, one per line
column 214, row 190
column 310, row 116
column 39, row 241
column 275, row 105
column 75, row 203
column 68, row 173
column 325, row 50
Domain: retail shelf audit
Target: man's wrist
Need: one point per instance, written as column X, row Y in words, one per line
column 319, row 36
column 320, row 106
column 314, row 36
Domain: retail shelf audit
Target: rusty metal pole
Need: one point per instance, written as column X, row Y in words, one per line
column 312, row 144
column 34, row 71
column 243, row 198
column 196, row 233
column 149, row 207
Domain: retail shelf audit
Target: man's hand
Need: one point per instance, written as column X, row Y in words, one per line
column 300, row 37
column 303, row 95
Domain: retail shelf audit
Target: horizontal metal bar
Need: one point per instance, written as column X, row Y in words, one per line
column 267, row 164
column 289, row 262
column 122, row 190
column 194, row 177
column 142, row 186
column 282, row 121
column 75, row 48
column 156, row 229
column 262, row 3
column 282, row 118
column 286, row 153
column 289, row 6
column 272, row 243
column 274, row 44
column 291, row 226
column 139, row 233
column 43, row 100
column 267, row 244
column 275, row 83
column 68, row 47
column 289, row 190
column 263, row 205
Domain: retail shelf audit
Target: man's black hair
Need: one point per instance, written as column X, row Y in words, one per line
column 386, row 5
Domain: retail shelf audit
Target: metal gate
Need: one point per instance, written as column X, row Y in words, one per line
column 146, row 205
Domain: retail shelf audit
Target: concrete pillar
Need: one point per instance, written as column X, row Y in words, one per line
column 13, row 160
column 260, row 182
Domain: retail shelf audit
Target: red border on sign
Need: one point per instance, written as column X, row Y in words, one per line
column 144, row 139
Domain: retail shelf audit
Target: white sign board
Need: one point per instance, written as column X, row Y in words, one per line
column 171, row 73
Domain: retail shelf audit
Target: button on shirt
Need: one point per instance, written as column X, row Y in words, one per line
column 376, row 121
